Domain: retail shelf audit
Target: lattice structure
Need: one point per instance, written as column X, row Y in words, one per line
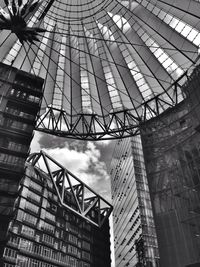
column 107, row 64
column 116, row 125
column 73, row 194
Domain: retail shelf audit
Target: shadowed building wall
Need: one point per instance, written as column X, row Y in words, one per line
column 171, row 145
column 20, row 97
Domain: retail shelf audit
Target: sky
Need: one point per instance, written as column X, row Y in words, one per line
column 87, row 160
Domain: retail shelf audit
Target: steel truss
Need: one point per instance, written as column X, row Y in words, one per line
column 49, row 33
column 117, row 125
column 73, row 194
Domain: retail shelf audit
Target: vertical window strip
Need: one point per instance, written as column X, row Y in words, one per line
column 92, row 42
column 111, row 85
column 143, row 86
column 112, row 88
column 74, row 44
column 167, row 62
column 175, row 23
column 40, row 55
column 85, row 83
column 59, row 84
column 12, row 54
column 136, row 73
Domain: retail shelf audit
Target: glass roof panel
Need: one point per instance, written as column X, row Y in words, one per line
column 101, row 59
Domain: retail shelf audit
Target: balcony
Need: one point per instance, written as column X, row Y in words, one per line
column 22, row 116
column 12, row 166
column 31, row 103
column 28, row 83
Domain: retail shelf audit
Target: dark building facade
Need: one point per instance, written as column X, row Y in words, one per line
column 20, row 97
column 135, row 238
column 171, row 145
column 45, row 234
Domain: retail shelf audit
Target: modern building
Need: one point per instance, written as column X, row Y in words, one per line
column 163, row 168
column 132, row 211
column 20, row 97
column 47, row 233
column 171, row 145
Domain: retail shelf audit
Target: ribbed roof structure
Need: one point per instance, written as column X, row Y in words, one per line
column 107, row 64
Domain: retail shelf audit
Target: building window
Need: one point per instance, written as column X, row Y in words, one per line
column 24, row 96
column 7, row 265
column 50, row 216
column 36, row 186
column 85, row 255
column 48, row 227
column 8, row 185
column 33, row 208
column 73, row 250
column 22, row 261
column 34, row 263
column 86, row 245
column 34, row 196
column 72, row 261
column 25, row 244
column 48, row 239
column 18, row 112
column 9, row 159
column 27, row 231
column 30, row 218
column 72, row 228
column 73, row 239
column 18, row 125
column 86, row 226
column 86, row 236
column 47, row 252
column 12, row 145
column 10, row 253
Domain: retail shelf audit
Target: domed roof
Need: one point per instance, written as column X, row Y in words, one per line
column 107, row 64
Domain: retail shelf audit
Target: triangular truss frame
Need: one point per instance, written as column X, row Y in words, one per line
column 115, row 125
column 84, row 202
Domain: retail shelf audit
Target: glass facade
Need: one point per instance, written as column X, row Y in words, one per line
column 132, row 211
column 172, row 154
column 44, row 234
column 17, row 121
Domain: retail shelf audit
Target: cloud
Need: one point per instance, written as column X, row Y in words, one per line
column 85, row 165
column 35, row 145
column 83, row 159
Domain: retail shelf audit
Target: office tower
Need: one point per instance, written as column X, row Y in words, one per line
column 48, row 232
column 171, row 145
column 132, row 212
column 20, row 97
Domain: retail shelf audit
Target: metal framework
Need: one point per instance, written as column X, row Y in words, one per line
column 72, row 193
column 107, row 64
column 117, row 124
